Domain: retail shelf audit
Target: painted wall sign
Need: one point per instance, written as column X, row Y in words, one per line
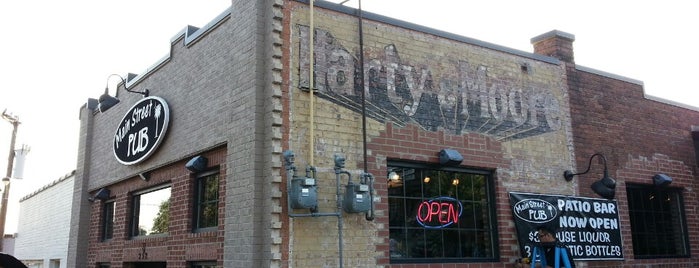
column 439, row 212
column 439, row 92
column 141, row 130
column 589, row 227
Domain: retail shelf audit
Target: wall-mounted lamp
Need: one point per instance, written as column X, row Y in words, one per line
column 102, row 194
column 197, row 164
column 106, row 101
column 604, row 187
column 145, row 176
column 450, row 157
column 661, row 180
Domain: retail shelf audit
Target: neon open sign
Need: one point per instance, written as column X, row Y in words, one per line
column 439, row 212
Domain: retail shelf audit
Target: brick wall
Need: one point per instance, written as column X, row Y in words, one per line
column 502, row 111
column 640, row 138
column 181, row 244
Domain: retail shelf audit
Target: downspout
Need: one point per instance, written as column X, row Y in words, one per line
column 311, row 87
column 369, row 215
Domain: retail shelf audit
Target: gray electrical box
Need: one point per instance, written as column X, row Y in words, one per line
column 304, row 193
column 357, row 198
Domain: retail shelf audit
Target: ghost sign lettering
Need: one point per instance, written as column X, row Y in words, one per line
column 141, row 130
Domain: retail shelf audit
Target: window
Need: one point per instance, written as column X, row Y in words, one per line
column 108, row 220
column 440, row 214
column 211, row 264
column 658, row 227
column 34, row 263
column 151, row 212
column 206, row 207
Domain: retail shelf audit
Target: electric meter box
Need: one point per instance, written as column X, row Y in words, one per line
column 357, row 198
column 304, row 193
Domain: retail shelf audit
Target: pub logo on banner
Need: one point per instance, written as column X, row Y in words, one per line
column 535, row 210
column 141, row 130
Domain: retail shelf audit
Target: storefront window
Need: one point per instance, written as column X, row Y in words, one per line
column 206, row 214
column 440, row 214
column 151, row 212
column 658, row 227
column 108, row 220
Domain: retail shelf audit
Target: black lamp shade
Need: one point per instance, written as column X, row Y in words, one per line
column 450, row 157
column 105, row 102
column 102, row 194
column 197, row 164
column 661, row 180
column 604, row 187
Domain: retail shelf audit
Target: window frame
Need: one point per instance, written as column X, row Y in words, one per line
column 680, row 232
column 491, row 208
column 135, row 210
column 106, row 215
column 197, row 202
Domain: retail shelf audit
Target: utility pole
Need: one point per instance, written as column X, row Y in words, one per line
column 6, row 180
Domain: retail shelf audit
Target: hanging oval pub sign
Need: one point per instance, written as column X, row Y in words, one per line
column 141, row 130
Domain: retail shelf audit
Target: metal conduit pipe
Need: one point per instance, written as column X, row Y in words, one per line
column 311, row 86
column 366, row 176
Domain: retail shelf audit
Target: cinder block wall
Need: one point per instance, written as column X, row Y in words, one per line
column 45, row 223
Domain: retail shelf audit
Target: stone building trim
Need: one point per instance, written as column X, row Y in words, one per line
column 419, row 28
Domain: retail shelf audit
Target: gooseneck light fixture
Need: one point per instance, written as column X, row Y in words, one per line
column 604, row 187
column 106, row 101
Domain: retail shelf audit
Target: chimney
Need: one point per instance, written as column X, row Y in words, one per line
column 555, row 44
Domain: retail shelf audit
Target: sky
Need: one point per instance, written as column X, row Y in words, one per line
column 54, row 55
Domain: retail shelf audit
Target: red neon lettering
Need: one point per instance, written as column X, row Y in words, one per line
column 447, row 213
column 444, row 212
column 434, row 210
column 420, row 212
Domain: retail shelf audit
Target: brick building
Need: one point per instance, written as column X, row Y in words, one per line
column 403, row 149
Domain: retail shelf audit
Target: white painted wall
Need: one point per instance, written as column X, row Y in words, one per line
column 44, row 225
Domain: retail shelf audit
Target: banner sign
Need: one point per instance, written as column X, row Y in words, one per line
column 589, row 227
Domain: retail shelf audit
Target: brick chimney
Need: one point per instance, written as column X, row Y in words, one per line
column 555, row 44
